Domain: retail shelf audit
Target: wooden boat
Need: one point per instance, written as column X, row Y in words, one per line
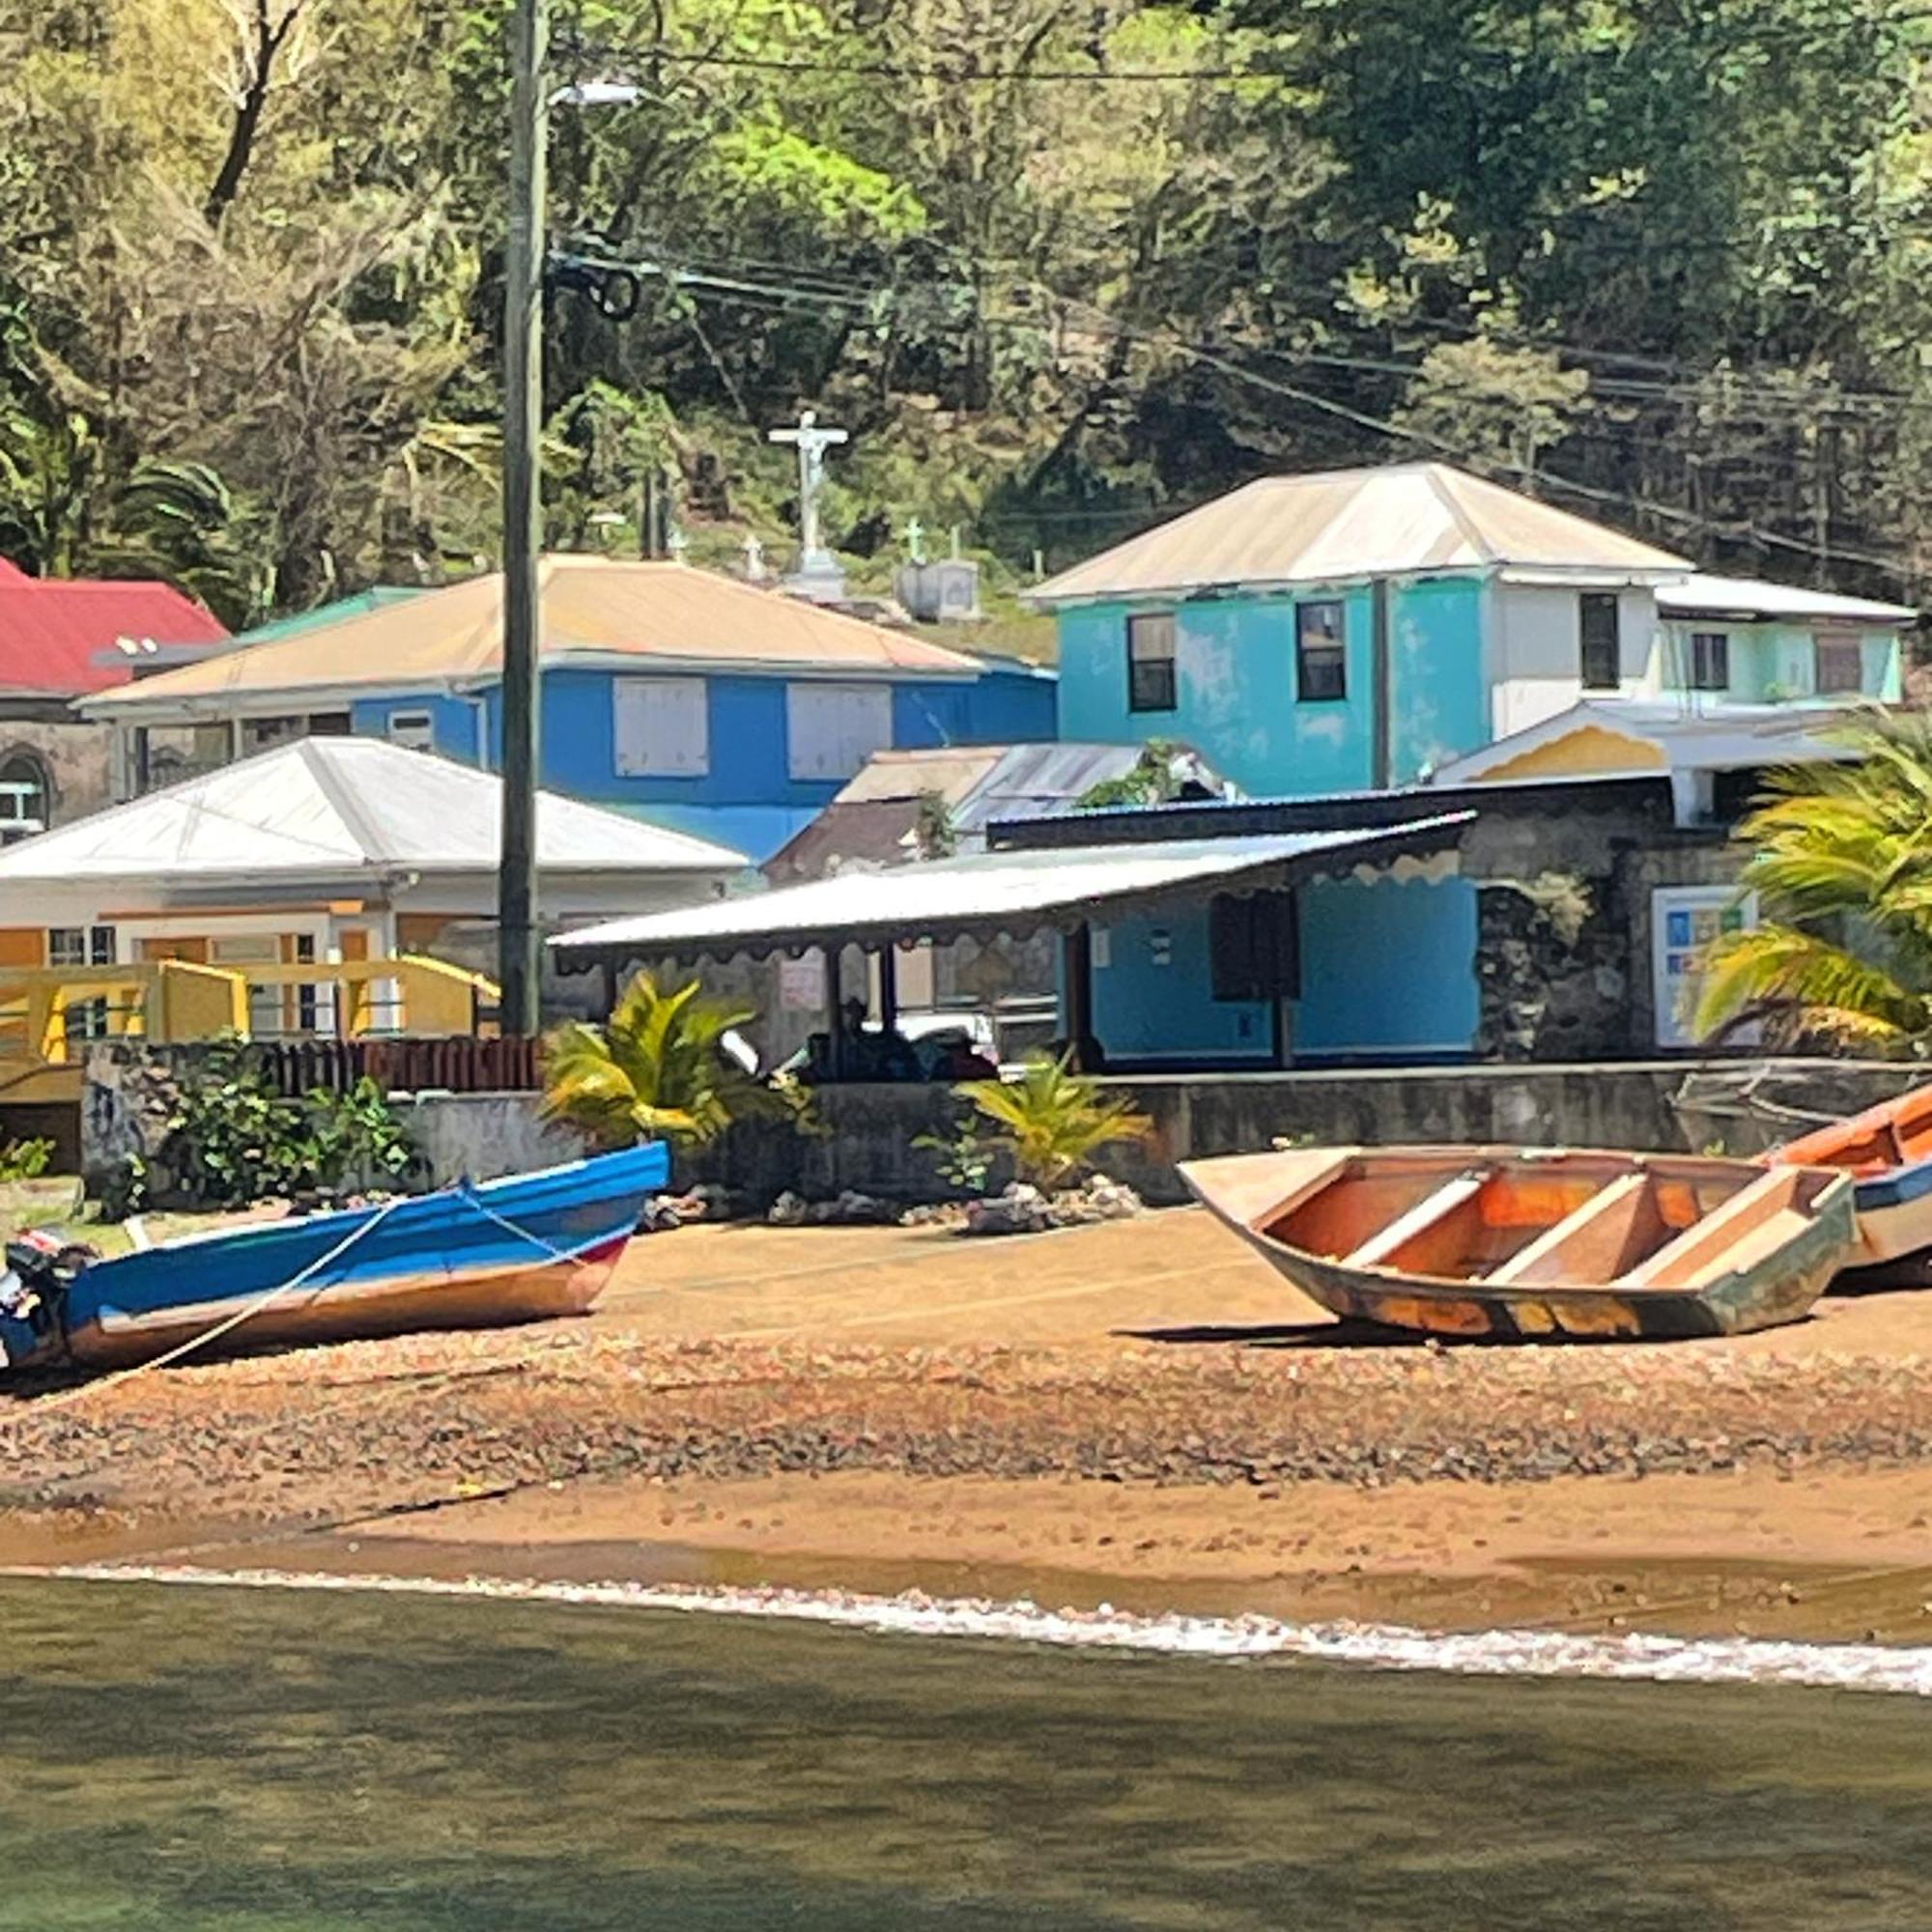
column 519, row 1249
column 1523, row 1244
column 1888, row 1151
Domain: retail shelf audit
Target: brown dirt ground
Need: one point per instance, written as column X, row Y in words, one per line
column 1141, row 1413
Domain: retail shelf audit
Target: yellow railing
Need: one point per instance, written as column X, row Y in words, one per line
column 48, row 1013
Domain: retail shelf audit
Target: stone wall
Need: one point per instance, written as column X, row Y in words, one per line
column 78, row 758
column 867, row 1133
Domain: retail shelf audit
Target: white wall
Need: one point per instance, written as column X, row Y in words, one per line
column 1538, row 651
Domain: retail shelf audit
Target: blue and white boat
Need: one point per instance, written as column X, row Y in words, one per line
column 520, row 1249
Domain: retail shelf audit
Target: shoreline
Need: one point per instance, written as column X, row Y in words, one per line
column 1511, row 1653
column 1130, row 1414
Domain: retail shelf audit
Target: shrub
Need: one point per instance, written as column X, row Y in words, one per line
column 1051, row 1121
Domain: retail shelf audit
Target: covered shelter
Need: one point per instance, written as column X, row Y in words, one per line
column 1239, row 893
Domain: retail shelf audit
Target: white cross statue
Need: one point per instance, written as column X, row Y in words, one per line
column 754, row 558
column 915, row 539
column 813, row 443
column 677, row 542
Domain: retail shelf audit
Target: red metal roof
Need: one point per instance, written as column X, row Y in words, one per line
column 57, row 635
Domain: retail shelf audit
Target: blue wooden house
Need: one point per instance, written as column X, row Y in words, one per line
column 689, row 699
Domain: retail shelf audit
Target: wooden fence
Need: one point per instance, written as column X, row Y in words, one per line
column 509, row 1064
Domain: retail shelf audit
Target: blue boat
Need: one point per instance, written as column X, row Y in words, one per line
column 520, row 1249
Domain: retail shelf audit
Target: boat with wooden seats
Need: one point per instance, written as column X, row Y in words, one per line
column 1533, row 1244
column 520, row 1249
column 1888, row 1151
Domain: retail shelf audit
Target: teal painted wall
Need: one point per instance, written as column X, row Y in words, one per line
column 1235, row 700
column 1145, row 1009
column 1386, row 967
column 1774, row 662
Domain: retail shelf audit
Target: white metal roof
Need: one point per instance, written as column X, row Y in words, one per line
column 1341, row 525
column 1005, row 890
column 1710, row 737
column 1701, row 595
column 326, row 807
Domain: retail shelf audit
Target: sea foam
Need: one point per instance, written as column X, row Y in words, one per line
column 1496, row 1652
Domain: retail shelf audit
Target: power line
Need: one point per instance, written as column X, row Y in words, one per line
column 702, row 283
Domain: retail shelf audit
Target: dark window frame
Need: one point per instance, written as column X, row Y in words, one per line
column 1837, row 647
column 1591, row 674
column 1153, row 684
column 1322, row 661
column 1710, row 666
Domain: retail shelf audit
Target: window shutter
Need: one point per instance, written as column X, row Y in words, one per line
column 660, row 727
column 1254, row 947
column 831, row 729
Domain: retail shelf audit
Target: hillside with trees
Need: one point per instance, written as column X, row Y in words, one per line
column 1060, row 268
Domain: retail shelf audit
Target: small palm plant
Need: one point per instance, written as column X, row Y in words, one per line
column 1842, row 868
column 1052, row 1121
column 659, row 1069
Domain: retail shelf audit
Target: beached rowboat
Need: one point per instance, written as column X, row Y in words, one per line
column 1888, row 1151
column 1523, row 1244
column 519, row 1249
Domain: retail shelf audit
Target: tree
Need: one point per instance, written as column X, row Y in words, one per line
column 659, row 1069
column 1841, row 863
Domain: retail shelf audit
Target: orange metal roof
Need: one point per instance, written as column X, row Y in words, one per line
column 1339, row 525
column 592, row 605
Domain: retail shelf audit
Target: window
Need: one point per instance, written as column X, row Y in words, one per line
column 1253, row 947
column 1320, row 663
column 412, row 731
column 1603, row 640
column 660, row 727
column 79, row 945
column 1709, row 661
column 1839, row 667
column 23, row 797
column 1150, row 685
column 831, row 729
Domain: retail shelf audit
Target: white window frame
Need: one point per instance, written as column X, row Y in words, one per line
column 637, row 750
column 817, row 755
column 414, row 729
column 96, row 946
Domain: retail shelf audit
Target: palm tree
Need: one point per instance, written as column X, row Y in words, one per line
column 1051, row 1121
column 1842, row 869
column 659, row 1069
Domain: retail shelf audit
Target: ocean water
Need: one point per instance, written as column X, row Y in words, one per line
column 285, row 1761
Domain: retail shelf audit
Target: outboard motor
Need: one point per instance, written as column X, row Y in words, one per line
column 39, row 1269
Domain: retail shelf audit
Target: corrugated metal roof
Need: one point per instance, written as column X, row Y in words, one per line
column 1716, row 737
column 57, row 634
column 1337, row 526
column 1000, row 890
column 594, row 608
column 329, row 806
column 1701, row 595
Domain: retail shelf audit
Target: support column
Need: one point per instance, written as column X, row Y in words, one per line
column 835, row 1018
column 889, row 987
column 1076, row 959
column 1384, row 720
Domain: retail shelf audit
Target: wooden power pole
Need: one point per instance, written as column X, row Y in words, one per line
column 523, row 517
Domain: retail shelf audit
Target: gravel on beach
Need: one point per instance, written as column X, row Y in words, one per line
column 329, row 1433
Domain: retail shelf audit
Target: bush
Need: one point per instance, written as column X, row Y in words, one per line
column 233, row 1140
column 1051, row 1120
column 25, row 1160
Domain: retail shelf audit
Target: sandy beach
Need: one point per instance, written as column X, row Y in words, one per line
column 1140, row 1414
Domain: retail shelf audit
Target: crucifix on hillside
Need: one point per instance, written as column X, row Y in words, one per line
column 817, row 573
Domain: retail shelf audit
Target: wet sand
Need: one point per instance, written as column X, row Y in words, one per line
column 1140, row 1414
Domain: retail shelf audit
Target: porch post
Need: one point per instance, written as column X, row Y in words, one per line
column 889, row 987
column 1076, row 956
column 835, row 1019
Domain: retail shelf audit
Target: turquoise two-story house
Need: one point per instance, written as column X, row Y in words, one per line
column 689, row 699
column 1359, row 630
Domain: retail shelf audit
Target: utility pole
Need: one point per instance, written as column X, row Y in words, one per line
column 523, row 516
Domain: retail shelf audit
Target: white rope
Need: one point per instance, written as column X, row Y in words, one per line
column 535, row 1239
column 227, row 1323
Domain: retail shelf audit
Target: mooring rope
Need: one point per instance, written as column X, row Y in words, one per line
column 50, row 1405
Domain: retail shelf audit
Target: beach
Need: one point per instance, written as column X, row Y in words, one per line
column 1140, row 1414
